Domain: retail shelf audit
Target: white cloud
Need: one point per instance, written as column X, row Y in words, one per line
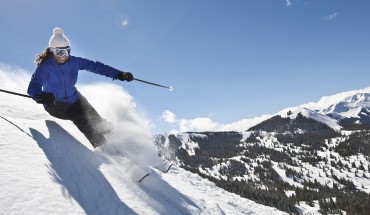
column 201, row 124
column 198, row 124
column 168, row 116
column 331, row 16
column 244, row 124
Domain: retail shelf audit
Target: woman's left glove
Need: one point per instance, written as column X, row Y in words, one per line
column 125, row 76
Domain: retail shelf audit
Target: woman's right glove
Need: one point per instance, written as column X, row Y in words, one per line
column 125, row 76
column 45, row 98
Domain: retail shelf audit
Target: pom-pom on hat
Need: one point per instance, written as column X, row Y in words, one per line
column 58, row 40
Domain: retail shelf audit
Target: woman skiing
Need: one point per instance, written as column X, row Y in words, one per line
column 53, row 85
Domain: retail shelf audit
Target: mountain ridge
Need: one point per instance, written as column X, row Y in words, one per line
column 347, row 108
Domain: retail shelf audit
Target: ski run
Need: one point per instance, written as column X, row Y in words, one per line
column 48, row 167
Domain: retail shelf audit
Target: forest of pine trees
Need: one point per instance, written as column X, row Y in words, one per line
column 291, row 151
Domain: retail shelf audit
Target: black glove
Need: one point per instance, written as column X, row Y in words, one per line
column 45, row 98
column 125, row 76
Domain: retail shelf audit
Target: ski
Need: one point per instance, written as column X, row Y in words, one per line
column 165, row 170
column 136, row 172
column 164, row 166
column 146, row 175
column 169, row 167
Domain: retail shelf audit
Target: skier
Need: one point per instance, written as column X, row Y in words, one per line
column 53, row 85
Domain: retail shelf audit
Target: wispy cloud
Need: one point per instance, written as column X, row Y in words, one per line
column 168, row 116
column 331, row 16
column 288, row 3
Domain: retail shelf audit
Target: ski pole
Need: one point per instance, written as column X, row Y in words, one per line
column 170, row 88
column 18, row 94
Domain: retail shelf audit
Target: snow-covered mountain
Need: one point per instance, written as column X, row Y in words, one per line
column 316, row 115
column 343, row 109
column 353, row 109
column 314, row 158
column 48, row 167
column 351, row 106
column 305, row 171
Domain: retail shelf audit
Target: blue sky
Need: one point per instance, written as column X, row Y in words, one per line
column 227, row 60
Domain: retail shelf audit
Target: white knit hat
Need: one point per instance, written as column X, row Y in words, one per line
column 58, row 39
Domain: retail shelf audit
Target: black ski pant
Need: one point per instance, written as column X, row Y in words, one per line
column 83, row 115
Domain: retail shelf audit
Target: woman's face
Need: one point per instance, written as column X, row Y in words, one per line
column 61, row 59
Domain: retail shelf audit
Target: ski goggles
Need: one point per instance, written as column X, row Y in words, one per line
column 61, row 51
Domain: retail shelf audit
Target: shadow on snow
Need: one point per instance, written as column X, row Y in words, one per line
column 77, row 168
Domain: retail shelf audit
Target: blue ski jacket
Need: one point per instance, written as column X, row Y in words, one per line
column 60, row 79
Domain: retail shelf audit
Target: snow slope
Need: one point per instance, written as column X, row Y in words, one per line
column 48, row 167
column 310, row 114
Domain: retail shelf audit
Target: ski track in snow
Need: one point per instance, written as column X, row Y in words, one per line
column 48, row 167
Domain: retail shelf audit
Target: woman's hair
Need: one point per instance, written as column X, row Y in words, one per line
column 43, row 56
